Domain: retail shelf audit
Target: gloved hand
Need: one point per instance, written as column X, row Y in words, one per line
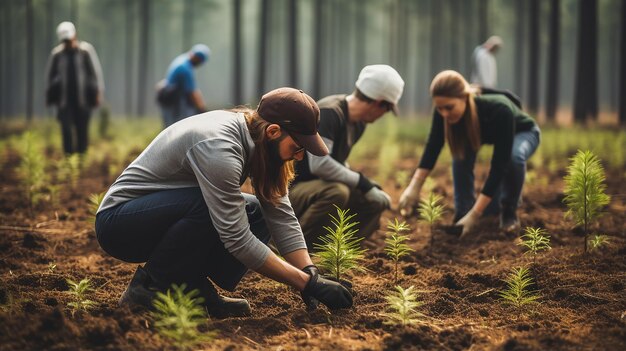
column 310, row 302
column 410, row 199
column 468, row 222
column 328, row 292
column 379, row 197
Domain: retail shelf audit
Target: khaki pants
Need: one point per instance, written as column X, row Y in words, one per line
column 313, row 201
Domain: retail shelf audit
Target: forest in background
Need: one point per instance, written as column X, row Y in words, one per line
column 558, row 55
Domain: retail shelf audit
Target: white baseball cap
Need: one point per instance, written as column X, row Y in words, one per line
column 66, row 31
column 381, row 82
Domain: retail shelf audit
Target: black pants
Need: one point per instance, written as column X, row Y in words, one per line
column 173, row 233
column 74, row 128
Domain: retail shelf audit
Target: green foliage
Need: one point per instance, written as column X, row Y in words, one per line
column 340, row 250
column 584, row 190
column 79, row 291
column 517, row 292
column 395, row 246
column 402, row 305
column 32, row 169
column 430, row 211
column 535, row 240
column 178, row 315
column 598, row 241
column 94, row 203
column 51, row 267
column 53, row 194
column 402, row 178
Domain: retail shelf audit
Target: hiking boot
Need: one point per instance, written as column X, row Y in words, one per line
column 219, row 306
column 508, row 220
column 139, row 293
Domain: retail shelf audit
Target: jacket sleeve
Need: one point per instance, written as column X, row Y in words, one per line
column 434, row 143
column 95, row 61
column 218, row 166
column 502, row 148
column 283, row 226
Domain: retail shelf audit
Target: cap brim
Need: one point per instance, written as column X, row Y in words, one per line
column 311, row 143
column 394, row 109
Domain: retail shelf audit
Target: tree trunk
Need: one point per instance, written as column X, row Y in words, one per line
column 292, row 37
column 552, row 86
column 622, row 79
column 586, row 86
column 359, row 33
column 74, row 12
column 30, row 53
column 237, row 68
column 128, row 76
column 483, row 20
column 318, row 48
column 435, row 37
column 263, row 42
column 533, row 56
column 144, row 56
column 187, row 24
column 520, row 47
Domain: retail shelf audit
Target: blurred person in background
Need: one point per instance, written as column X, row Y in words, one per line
column 74, row 85
column 178, row 94
column 466, row 121
column 179, row 206
column 484, row 67
column 324, row 181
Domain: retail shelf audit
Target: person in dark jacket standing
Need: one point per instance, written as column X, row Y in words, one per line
column 74, row 85
column 179, row 206
column 322, row 182
column 466, row 121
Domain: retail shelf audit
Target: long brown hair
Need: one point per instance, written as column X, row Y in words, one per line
column 452, row 84
column 270, row 176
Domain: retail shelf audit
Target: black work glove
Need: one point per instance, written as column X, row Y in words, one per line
column 310, row 302
column 328, row 292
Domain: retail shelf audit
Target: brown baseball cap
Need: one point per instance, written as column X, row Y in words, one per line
column 296, row 113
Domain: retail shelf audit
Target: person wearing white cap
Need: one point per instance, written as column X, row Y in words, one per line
column 74, row 84
column 324, row 181
column 178, row 94
column 484, row 67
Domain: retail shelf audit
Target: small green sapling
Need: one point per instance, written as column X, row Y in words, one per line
column 395, row 246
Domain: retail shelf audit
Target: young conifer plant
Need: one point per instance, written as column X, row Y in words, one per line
column 598, row 241
column 178, row 315
column 395, row 243
column 584, row 190
column 535, row 240
column 79, row 291
column 517, row 292
column 32, row 170
column 340, row 252
column 402, row 305
column 430, row 211
column 94, row 203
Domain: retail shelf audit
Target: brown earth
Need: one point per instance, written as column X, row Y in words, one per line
column 583, row 296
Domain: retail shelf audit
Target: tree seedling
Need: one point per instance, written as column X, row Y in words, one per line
column 340, row 250
column 395, row 246
column 584, row 190
column 94, row 203
column 178, row 315
column 79, row 291
column 535, row 240
column 430, row 211
column 51, row 267
column 598, row 241
column 32, row 171
column 517, row 292
column 402, row 305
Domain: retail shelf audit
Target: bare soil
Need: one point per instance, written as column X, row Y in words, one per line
column 583, row 296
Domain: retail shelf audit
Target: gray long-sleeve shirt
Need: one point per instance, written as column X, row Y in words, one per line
column 213, row 151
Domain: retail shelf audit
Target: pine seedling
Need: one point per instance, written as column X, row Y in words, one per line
column 395, row 246
column 79, row 291
column 517, row 292
column 430, row 211
column 402, row 305
column 31, row 170
column 598, row 241
column 51, row 267
column 584, row 190
column 340, row 252
column 535, row 240
column 178, row 315
column 94, row 204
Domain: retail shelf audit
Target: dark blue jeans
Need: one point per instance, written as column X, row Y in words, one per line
column 173, row 233
column 509, row 192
